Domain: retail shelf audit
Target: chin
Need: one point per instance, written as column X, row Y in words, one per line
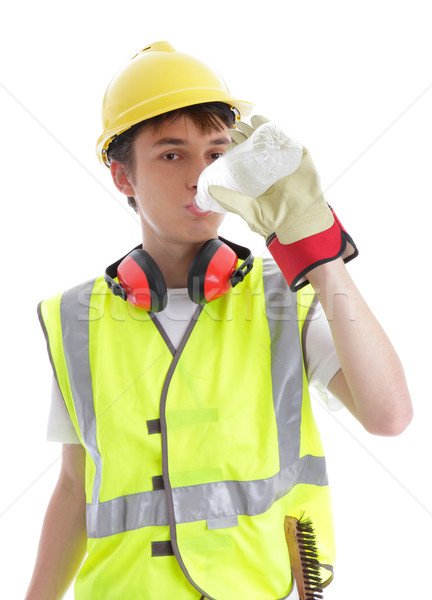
column 211, row 223
column 201, row 239
column 201, row 231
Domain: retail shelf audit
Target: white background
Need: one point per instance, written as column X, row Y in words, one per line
column 353, row 81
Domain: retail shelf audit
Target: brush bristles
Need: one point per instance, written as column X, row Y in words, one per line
column 309, row 559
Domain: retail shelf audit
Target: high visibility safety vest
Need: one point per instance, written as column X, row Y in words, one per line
column 193, row 456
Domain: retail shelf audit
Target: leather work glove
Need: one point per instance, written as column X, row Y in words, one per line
column 300, row 228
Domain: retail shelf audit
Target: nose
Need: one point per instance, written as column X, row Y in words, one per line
column 196, row 167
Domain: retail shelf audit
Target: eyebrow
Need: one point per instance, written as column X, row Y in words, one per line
column 167, row 141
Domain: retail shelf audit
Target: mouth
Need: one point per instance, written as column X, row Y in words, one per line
column 193, row 208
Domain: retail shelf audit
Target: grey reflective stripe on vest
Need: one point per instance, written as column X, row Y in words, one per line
column 74, row 313
column 234, row 498
column 286, row 362
column 126, row 513
column 191, row 502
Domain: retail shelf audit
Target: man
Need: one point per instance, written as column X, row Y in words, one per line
column 186, row 384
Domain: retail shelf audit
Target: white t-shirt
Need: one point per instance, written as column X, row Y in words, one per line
column 321, row 360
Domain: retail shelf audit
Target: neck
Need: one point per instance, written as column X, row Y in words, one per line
column 174, row 260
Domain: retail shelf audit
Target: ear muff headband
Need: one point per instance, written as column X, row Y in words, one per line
column 212, row 273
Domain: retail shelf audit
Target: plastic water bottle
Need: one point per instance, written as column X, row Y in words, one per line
column 250, row 167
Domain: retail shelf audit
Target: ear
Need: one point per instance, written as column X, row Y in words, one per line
column 121, row 179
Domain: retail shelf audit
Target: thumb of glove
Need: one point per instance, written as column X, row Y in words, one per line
column 246, row 207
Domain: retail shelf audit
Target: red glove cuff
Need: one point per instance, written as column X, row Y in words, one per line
column 295, row 260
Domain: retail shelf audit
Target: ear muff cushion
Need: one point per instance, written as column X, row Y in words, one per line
column 210, row 272
column 143, row 281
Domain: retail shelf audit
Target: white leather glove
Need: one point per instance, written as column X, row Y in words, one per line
column 300, row 229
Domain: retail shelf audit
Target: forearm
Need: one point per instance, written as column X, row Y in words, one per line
column 62, row 544
column 379, row 396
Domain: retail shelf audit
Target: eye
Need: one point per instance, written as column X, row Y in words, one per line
column 216, row 155
column 170, row 156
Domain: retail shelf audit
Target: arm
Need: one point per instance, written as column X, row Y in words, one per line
column 302, row 232
column 371, row 383
column 63, row 539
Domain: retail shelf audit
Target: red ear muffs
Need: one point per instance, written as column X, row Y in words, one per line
column 212, row 273
column 140, row 281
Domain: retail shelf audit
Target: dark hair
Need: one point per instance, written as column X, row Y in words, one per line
column 206, row 116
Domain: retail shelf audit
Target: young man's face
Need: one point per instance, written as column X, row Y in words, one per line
column 168, row 163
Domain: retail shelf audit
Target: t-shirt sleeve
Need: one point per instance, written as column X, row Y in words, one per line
column 321, row 361
column 60, row 427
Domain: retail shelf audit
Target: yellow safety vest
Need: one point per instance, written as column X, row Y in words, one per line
column 195, row 455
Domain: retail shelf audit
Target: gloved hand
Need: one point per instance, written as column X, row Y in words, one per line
column 300, row 229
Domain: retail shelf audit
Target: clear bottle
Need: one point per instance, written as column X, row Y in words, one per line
column 250, row 167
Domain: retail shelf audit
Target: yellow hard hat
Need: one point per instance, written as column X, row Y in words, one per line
column 157, row 80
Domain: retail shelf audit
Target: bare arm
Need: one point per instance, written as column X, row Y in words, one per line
column 63, row 539
column 371, row 382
